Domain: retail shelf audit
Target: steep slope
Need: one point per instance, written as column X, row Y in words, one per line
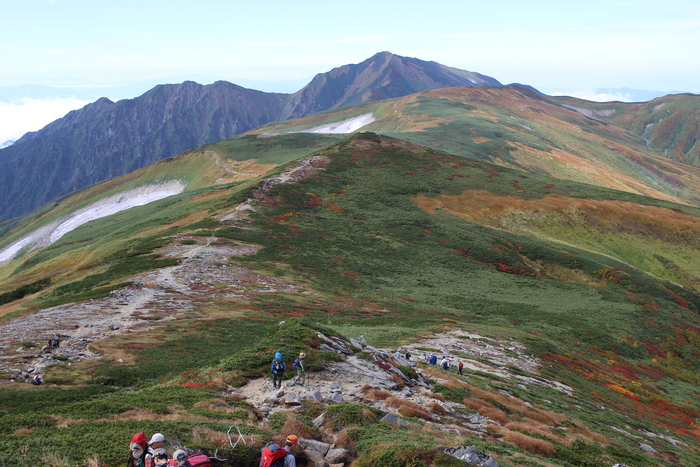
column 669, row 124
column 107, row 139
column 180, row 301
column 381, row 76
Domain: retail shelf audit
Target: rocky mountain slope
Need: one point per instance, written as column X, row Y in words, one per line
column 669, row 124
column 572, row 306
column 381, row 76
column 106, row 139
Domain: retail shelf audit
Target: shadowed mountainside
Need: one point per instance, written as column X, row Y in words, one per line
column 107, row 139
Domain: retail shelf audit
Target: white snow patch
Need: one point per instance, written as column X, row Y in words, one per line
column 10, row 252
column 48, row 234
column 346, row 126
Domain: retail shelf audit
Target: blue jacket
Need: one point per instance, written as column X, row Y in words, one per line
column 272, row 367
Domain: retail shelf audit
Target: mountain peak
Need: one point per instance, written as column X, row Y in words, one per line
column 382, row 76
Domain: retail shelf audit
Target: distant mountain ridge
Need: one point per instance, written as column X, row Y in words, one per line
column 107, row 139
column 383, row 76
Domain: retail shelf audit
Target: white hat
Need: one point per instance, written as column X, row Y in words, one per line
column 179, row 456
column 157, row 438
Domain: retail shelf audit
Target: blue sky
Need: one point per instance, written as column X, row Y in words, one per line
column 575, row 45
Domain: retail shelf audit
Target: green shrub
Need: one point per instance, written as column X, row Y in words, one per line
column 408, row 371
column 452, row 394
column 276, row 421
column 346, row 414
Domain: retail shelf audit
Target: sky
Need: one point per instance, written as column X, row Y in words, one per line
column 575, row 47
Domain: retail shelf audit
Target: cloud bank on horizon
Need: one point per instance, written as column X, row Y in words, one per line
column 20, row 116
column 587, row 45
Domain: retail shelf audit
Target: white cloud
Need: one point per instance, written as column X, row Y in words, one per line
column 591, row 95
column 19, row 116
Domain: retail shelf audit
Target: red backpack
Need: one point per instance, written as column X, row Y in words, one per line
column 272, row 455
column 136, row 458
column 197, row 460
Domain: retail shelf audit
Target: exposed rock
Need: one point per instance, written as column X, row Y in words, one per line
column 291, row 399
column 337, row 398
column 648, row 448
column 363, row 342
column 313, row 445
column 472, row 455
column 337, row 456
column 389, row 418
column 271, row 400
column 315, row 456
column 320, row 420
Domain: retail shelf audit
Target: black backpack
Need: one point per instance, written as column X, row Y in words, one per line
column 278, row 366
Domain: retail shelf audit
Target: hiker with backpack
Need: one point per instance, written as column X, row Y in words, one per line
column 445, row 364
column 301, row 370
column 278, row 367
column 276, row 456
column 460, row 365
column 157, row 442
column 160, row 457
column 198, row 459
column 137, row 450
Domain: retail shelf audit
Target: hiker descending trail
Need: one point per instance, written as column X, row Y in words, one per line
column 278, row 367
column 301, row 370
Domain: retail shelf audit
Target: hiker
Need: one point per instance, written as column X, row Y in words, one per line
column 160, row 457
column 179, row 457
column 425, row 357
column 460, row 365
column 407, row 356
column 275, row 456
column 445, row 364
column 289, row 443
column 137, row 450
column 301, row 370
column 157, row 442
column 54, row 342
column 432, row 360
column 397, row 354
column 278, row 367
column 36, row 380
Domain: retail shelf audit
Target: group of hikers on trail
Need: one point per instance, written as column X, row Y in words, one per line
column 445, row 363
column 154, row 454
column 279, row 366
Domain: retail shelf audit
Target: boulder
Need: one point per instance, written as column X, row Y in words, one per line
column 337, row 398
column 319, row 421
column 271, row 400
column 313, row 445
column 472, row 455
column 648, row 448
column 337, row 456
column 389, row 418
column 292, row 398
column 314, row 456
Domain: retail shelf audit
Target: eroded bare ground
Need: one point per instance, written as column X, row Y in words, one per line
column 202, row 275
